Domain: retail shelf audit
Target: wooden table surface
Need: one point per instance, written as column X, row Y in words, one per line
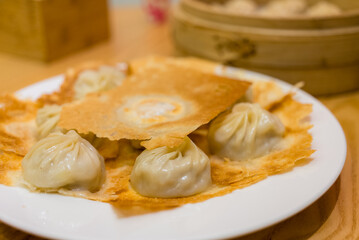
column 333, row 216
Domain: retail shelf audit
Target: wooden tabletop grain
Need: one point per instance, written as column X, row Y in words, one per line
column 333, row 216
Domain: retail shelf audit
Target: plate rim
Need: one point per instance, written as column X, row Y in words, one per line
column 56, row 80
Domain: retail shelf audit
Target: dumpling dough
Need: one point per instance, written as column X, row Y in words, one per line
column 64, row 160
column 322, row 9
column 105, row 78
column 245, row 132
column 283, row 8
column 171, row 172
column 241, row 6
column 47, row 119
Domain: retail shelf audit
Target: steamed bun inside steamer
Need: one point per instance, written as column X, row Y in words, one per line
column 245, row 132
column 241, row 6
column 105, row 78
column 63, row 161
column 172, row 172
column 283, row 8
column 322, row 9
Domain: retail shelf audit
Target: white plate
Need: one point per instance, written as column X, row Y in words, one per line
column 241, row 212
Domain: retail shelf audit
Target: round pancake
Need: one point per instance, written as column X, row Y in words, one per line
column 227, row 175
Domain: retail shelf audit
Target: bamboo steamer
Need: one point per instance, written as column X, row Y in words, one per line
column 47, row 30
column 323, row 52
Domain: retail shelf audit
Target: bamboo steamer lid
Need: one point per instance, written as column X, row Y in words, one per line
column 321, row 51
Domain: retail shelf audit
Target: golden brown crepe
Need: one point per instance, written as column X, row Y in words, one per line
column 17, row 133
column 66, row 93
column 141, row 64
column 266, row 94
column 227, row 175
column 161, row 105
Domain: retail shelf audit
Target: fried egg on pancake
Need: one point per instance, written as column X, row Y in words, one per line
column 160, row 105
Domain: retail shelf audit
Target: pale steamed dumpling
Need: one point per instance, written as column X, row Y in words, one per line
column 47, row 118
column 105, row 78
column 171, row 172
column 283, row 8
column 241, row 6
column 64, row 160
column 322, row 9
column 247, row 131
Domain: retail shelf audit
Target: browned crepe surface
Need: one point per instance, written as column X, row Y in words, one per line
column 227, row 175
column 202, row 97
column 17, row 127
column 267, row 94
column 10, row 168
column 142, row 64
column 66, row 92
column 17, row 135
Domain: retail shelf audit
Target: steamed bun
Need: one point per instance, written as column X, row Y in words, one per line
column 63, row 161
column 105, row 78
column 322, row 9
column 171, row 172
column 283, row 8
column 245, row 132
column 241, row 6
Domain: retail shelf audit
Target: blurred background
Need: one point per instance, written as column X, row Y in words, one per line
column 124, row 2
column 119, row 3
column 311, row 41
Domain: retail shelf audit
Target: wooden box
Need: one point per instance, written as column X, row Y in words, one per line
column 323, row 52
column 49, row 29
